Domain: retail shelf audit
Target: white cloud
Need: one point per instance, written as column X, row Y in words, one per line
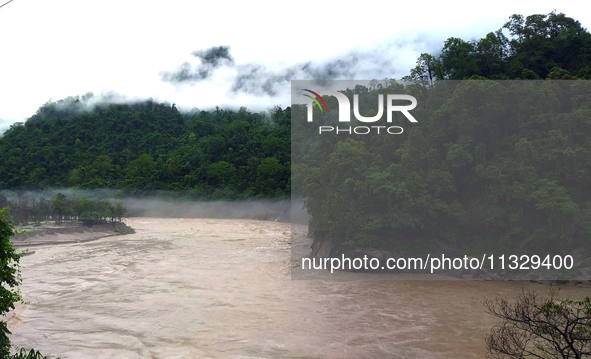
column 54, row 49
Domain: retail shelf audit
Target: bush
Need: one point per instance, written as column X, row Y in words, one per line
column 125, row 230
column 536, row 327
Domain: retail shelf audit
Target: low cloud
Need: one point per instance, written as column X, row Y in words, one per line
column 211, row 59
column 258, row 79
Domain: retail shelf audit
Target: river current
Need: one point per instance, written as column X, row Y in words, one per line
column 212, row 288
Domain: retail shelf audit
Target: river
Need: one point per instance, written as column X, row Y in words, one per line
column 214, row 288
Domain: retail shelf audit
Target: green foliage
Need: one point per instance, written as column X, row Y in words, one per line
column 549, row 46
column 60, row 208
column 9, row 278
column 147, row 146
column 31, row 354
column 502, row 165
column 125, row 230
column 492, row 164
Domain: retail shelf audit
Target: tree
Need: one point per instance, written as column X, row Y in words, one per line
column 537, row 327
column 61, row 207
column 427, row 70
column 9, row 278
column 3, row 200
column 221, row 172
column 119, row 211
column 373, row 84
column 491, row 51
column 458, row 59
column 82, row 206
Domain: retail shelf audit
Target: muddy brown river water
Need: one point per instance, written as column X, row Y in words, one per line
column 210, row 288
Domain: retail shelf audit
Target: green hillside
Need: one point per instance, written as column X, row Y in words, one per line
column 149, row 146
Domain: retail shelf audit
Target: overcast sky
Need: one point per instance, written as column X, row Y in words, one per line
column 52, row 49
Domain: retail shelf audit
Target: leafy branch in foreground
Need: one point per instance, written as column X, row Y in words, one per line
column 32, row 354
column 538, row 327
column 10, row 279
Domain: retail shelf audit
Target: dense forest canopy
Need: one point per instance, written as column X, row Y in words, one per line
column 149, row 146
column 492, row 165
column 550, row 46
column 28, row 209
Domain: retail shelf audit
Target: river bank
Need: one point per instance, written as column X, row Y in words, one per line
column 50, row 233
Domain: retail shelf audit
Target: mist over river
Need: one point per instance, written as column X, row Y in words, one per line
column 215, row 288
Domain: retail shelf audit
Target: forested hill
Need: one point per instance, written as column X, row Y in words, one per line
column 551, row 46
column 491, row 166
column 223, row 154
column 149, row 146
